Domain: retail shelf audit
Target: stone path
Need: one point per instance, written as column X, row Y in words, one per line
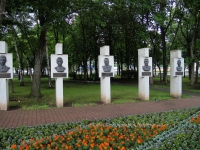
column 17, row 118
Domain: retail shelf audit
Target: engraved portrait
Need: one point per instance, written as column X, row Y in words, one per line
column 3, row 67
column 179, row 68
column 106, row 67
column 60, row 68
column 146, row 66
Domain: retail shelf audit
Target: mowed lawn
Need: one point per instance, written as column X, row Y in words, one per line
column 76, row 93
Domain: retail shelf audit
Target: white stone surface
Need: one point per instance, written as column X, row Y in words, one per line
column 59, row 48
column 175, row 81
column 105, row 50
column 4, row 94
column 59, row 92
column 101, row 63
column 143, row 81
column 3, row 47
column 143, row 52
column 105, row 81
column 105, row 90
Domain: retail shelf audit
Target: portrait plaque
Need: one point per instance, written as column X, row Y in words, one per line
column 145, row 65
column 59, row 66
column 178, row 66
column 106, row 66
column 6, row 66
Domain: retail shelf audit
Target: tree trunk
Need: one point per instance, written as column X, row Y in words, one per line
column 159, row 73
column 118, row 67
column 164, row 55
column 19, row 64
column 48, row 68
column 35, row 88
column 90, row 68
column 151, row 80
column 12, row 86
column 197, row 73
column 192, row 74
column 121, row 65
column 85, row 68
column 96, row 68
column 2, row 10
column 29, row 68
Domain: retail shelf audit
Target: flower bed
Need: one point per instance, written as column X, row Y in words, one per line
column 166, row 130
column 98, row 136
column 184, row 135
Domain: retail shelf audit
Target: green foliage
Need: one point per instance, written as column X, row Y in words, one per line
column 84, row 26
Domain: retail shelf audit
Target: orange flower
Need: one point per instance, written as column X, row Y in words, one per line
column 92, row 145
column 122, row 142
column 87, row 137
column 22, row 147
column 123, row 148
column 27, row 147
column 196, row 119
column 106, row 143
column 48, row 145
column 154, row 126
column 163, row 127
column 139, row 141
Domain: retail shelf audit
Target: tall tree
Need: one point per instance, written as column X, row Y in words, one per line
column 189, row 33
column 164, row 16
column 2, row 10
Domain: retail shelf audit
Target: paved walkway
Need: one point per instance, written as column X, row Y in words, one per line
column 17, row 118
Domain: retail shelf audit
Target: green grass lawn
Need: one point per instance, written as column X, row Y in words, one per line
column 185, row 84
column 79, row 93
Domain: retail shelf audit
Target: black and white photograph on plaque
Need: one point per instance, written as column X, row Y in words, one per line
column 6, row 66
column 146, row 66
column 59, row 66
column 106, row 66
column 178, row 66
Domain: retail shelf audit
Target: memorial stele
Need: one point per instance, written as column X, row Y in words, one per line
column 144, row 72
column 6, row 72
column 59, row 70
column 176, row 73
column 106, row 70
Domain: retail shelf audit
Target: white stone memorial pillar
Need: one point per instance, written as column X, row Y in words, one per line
column 144, row 72
column 59, row 70
column 106, row 70
column 176, row 73
column 6, row 72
